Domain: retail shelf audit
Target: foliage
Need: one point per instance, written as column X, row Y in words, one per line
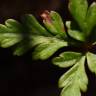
column 80, row 33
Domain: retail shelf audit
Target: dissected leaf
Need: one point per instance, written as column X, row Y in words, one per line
column 74, row 80
column 68, row 77
column 67, row 59
column 27, row 44
column 91, row 59
column 50, row 38
column 71, row 90
column 47, row 49
column 82, row 76
column 10, row 33
column 41, row 38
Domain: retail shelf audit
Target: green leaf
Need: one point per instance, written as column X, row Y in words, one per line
column 72, row 90
column 23, row 47
column 91, row 59
column 53, row 22
column 36, row 39
column 78, row 9
column 10, row 33
column 74, row 80
column 68, row 77
column 33, row 41
column 48, row 48
column 76, row 34
column 33, row 34
column 45, row 43
column 67, row 59
column 82, row 76
column 91, row 17
column 33, row 25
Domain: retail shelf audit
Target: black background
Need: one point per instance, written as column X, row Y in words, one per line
column 21, row 76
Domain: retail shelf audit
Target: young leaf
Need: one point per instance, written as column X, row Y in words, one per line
column 54, row 23
column 91, row 59
column 78, row 9
column 74, row 80
column 67, row 59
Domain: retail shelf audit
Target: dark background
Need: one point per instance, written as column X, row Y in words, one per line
column 21, row 76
